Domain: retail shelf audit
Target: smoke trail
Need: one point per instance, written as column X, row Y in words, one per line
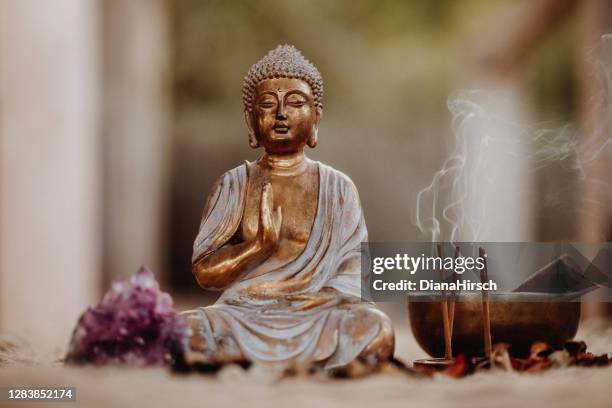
column 455, row 205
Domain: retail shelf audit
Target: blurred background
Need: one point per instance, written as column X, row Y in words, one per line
column 117, row 116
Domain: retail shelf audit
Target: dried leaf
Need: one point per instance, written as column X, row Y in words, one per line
column 461, row 367
column 540, row 349
column 575, row 347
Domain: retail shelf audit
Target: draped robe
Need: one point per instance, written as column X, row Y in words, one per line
column 283, row 328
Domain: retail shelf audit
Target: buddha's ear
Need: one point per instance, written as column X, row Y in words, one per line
column 248, row 119
column 314, row 135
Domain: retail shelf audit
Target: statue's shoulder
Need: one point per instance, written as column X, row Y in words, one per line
column 233, row 180
column 343, row 180
column 237, row 173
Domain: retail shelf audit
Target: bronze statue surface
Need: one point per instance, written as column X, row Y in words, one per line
column 281, row 237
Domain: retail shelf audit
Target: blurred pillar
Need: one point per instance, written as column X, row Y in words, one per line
column 595, row 20
column 136, row 128
column 595, row 217
column 49, row 167
column 508, row 203
column 501, row 186
column 498, row 68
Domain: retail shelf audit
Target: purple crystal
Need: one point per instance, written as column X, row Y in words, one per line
column 134, row 324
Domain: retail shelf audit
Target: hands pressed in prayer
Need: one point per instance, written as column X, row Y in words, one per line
column 268, row 232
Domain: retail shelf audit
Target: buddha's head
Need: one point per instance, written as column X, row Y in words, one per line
column 282, row 95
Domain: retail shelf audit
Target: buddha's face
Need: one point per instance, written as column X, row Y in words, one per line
column 284, row 117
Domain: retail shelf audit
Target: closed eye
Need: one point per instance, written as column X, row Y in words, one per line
column 295, row 100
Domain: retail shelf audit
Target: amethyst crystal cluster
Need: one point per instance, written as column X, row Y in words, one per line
column 134, row 324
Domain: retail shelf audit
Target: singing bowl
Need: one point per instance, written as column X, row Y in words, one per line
column 518, row 319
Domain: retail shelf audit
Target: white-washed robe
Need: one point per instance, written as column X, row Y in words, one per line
column 238, row 327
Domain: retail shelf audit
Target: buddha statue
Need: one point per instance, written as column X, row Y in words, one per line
column 281, row 238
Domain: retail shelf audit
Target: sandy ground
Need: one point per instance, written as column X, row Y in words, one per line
column 123, row 387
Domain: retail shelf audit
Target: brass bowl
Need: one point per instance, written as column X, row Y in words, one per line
column 518, row 319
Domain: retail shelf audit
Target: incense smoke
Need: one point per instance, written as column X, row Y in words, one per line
column 494, row 163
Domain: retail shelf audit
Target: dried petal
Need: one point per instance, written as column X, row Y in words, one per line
column 500, row 358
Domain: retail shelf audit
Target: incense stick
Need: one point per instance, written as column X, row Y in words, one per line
column 486, row 322
column 451, row 306
column 448, row 351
